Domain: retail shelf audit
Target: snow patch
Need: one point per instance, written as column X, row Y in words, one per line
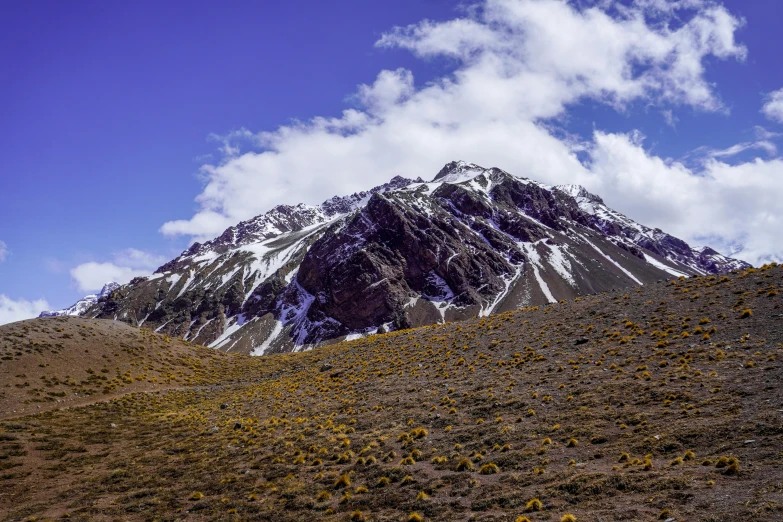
column 666, row 268
column 191, row 277
column 535, row 263
column 558, row 259
column 615, row 263
column 508, row 281
column 263, row 347
column 226, row 335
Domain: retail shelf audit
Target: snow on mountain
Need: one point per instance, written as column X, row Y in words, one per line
column 473, row 241
column 83, row 304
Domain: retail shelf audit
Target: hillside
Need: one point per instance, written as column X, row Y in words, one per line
column 408, row 253
column 46, row 363
column 659, row 403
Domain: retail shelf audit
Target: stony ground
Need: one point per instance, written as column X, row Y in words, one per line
column 662, row 403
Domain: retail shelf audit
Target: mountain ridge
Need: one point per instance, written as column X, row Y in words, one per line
column 472, row 241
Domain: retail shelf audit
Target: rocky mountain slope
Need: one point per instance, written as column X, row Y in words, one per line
column 658, row 403
column 471, row 242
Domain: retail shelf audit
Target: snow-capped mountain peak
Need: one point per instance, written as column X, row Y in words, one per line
column 580, row 193
column 83, row 304
column 471, row 242
column 458, row 172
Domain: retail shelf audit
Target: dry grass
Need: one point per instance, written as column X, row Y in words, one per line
column 275, row 438
column 54, row 362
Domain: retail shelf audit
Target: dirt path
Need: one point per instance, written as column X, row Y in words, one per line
column 75, row 402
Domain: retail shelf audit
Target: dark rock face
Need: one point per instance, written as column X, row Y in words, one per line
column 407, row 253
column 464, row 200
column 365, row 285
column 536, row 202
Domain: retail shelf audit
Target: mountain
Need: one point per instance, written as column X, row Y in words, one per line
column 471, row 242
column 83, row 304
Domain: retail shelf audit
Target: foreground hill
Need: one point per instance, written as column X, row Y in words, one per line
column 471, row 242
column 47, row 363
column 662, row 403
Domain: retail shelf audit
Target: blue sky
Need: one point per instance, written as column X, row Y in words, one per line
column 110, row 111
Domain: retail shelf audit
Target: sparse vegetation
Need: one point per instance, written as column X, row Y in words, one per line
column 391, row 429
column 490, row 468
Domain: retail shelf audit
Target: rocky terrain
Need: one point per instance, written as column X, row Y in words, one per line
column 662, row 402
column 474, row 241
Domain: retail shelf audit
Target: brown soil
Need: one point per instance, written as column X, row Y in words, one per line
column 54, row 362
column 637, row 421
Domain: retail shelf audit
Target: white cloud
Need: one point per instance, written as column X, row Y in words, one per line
column 125, row 265
column 11, row 310
column 725, row 206
column 773, row 108
column 766, row 146
column 765, row 135
column 518, row 66
column 134, row 258
column 667, row 6
column 669, row 117
column 208, row 223
column 389, row 89
column 230, row 143
column 4, row 252
column 587, row 52
column 90, row 277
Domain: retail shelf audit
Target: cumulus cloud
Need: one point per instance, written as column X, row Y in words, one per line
column 11, row 311
column 3, row 251
column 725, row 206
column 90, row 277
column 389, row 89
column 773, row 108
column 138, row 259
column 585, row 52
column 517, row 68
column 125, row 265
